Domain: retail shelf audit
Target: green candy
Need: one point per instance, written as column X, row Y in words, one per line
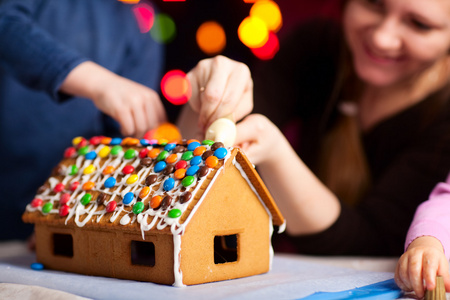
column 47, row 207
column 130, row 154
column 187, row 181
column 116, row 150
column 207, row 142
column 188, row 155
column 174, row 213
column 73, row 170
column 83, row 150
column 162, row 155
column 86, row 199
column 138, row 208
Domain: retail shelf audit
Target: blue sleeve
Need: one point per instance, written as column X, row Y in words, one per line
column 30, row 53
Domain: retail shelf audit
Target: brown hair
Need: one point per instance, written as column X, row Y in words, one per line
column 343, row 165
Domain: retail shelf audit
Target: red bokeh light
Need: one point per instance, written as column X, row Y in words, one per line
column 176, row 87
column 269, row 49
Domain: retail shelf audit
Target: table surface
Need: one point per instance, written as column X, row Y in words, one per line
column 289, row 277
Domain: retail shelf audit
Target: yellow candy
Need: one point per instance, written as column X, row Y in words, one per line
column 77, row 140
column 132, row 179
column 89, row 169
column 104, row 152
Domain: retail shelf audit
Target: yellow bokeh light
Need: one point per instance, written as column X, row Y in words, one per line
column 253, row 32
column 269, row 12
column 211, row 37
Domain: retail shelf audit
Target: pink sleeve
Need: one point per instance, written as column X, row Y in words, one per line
column 432, row 218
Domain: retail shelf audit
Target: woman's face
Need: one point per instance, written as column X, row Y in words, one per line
column 393, row 40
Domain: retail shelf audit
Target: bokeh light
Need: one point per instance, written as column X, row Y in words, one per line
column 269, row 12
column 164, row 29
column 211, row 37
column 145, row 16
column 130, row 1
column 165, row 131
column 176, row 87
column 269, row 49
column 253, row 32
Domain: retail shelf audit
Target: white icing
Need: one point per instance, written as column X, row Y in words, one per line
column 176, row 261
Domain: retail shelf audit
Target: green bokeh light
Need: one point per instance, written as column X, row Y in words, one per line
column 164, row 29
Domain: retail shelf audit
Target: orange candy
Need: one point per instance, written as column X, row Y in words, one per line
column 153, row 153
column 199, row 150
column 88, row 186
column 105, row 140
column 108, row 170
column 172, row 158
column 211, row 161
column 179, row 174
column 155, row 202
column 144, row 192
column 128, row 141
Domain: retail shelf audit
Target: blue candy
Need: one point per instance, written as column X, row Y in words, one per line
column 160, row 165
column 90, row 155
column 110, row 182
column 192, row 170
column 196, row 160
column 169, row 184
column 116, row 141
column 193, row 145
column 37, row 266
column 128, row 198
column 170, row 146
column 220, row 153
column 144, row 142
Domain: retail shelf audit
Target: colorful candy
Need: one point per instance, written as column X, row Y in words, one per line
column 196, row 160
column 86, row 199
column 104, row 152
column 37, row 202
column 192, row 170
column 169, row 184
column 108, row 170
column 128, row 198
column 128, row 169
column 116, row 150
column 130, row 154
column 73, row 170
column 110, row 182
column 144, row 192
column 188, row 155
column 187, row 181
column 64, row 210
column 174, row 213
column 89, row 170
column 59, row 187
column 220, row 153
column 138, row 208
column 87, row 186
column 64, row 198
column 159, row 166
column 182, row 164
column 91, row 155
column 212, row 161
column 111, row 206
column 47, row 207
column 155, row 202
column 132, row 179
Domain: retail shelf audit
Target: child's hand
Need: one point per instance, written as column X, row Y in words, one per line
column 136, row 107
column 422, row 262
column 259, row 138
column 220, row 86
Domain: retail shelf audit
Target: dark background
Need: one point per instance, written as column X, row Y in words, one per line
column 183, row 53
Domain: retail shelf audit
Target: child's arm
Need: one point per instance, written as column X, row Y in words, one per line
column 136, row 107
column 422, row 262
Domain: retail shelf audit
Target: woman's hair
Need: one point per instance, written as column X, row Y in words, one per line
column 343, row 165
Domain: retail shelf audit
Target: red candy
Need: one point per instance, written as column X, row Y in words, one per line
column 82, row 143
column 69, row 152
column 74, row 185
column 111, row 206
column 64, row 198
column 36, row 202
column 58, row 188
column 64, row 210
column 127, row 169
column 182, row 164
column 95, row 140
column 143, row 153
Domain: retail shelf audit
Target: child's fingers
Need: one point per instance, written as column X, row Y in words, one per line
column 415, row 275
column 402, row 277
column 430, row 268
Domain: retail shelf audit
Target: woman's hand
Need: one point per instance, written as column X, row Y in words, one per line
column 422, row 262
column 259, row 138
column 220, row 87
column 136, row 107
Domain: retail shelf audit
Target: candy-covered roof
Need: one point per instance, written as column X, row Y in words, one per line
column 144, row 184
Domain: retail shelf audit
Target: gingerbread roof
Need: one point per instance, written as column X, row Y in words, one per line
column 130, row 183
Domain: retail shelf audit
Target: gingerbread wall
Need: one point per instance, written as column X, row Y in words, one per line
column 230, row 208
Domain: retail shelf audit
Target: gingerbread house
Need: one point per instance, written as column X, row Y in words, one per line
column 178, row 214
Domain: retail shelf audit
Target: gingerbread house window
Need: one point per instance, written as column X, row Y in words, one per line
column 62, row 244
column 143, row 253
column 225, row 248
